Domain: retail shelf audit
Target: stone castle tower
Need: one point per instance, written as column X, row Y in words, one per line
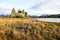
column 13, row 12
column 19, row 13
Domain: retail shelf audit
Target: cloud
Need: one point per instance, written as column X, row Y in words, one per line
column 4, row 9
column 36, row 7
column 39, row 0
column 48, row 6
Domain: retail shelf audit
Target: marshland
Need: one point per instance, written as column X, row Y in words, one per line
column 28, row 29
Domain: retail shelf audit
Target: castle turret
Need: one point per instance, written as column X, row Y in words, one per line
column 13, row 12
column 26, row 14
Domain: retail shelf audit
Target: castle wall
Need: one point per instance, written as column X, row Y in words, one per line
column 22, row 14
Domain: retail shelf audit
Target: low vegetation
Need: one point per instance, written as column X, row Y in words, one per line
column 28, row 29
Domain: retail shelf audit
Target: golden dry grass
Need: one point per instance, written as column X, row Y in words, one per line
column 28, row 29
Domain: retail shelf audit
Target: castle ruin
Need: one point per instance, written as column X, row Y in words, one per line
column 19, row 13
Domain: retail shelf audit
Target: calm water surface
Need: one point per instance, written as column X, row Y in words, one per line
column 49, row 19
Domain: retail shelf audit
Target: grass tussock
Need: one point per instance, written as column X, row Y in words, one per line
column 28, row 29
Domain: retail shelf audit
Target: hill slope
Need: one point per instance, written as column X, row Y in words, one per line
column 28, row 29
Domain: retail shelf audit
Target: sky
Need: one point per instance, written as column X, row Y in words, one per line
column 33, row 7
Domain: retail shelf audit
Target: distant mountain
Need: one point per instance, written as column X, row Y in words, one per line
column 2, row 16
column 46, row 16
column 33, row 16
column 50, row 16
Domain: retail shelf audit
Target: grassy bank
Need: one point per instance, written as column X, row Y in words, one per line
column 28, row 29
